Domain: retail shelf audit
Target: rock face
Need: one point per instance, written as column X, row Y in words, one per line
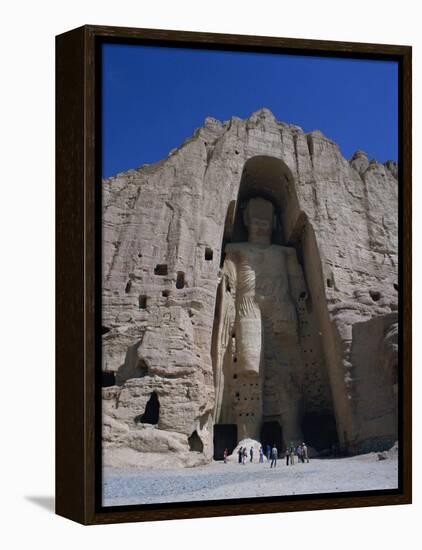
column 166, row 230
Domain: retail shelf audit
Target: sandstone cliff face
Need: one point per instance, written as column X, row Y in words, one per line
column 164, row 230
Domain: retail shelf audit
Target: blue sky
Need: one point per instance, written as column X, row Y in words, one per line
column 154, row 98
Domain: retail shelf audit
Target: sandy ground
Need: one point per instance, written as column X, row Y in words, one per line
column 218, row 481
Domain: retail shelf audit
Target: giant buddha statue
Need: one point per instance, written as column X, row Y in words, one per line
column 258, row 363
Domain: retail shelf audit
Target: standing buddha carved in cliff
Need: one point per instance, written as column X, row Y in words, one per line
column 258, row 366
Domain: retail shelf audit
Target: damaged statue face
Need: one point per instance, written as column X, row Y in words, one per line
column 259, row 220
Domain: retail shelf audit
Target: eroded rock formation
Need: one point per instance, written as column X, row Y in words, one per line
column 170, row 231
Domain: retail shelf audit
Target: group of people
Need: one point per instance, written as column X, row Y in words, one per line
column 243, row 455
column 300, row 451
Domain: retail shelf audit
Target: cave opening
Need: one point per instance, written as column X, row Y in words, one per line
column 195, row 443
column 142, row 301
column 152, row 410
column 208, row 254
column 108, row 378
column 225, row 437
column 161, row 269
column 272, row 433
column 320, row 430
column 375, row 295
column 180, row 280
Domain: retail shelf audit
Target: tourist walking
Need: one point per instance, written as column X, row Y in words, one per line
column 251, row 454
column 305, row 453
column 274, row 456
column 226, row 452
column 261, row 455
column 245, row 455
column 240, row 453
column 287, row 455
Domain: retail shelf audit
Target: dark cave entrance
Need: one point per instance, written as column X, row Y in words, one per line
column 195, row 443
column 225, row 437
column 320, row 431
column 108, row 378
column 152, row 410
column 271, row 432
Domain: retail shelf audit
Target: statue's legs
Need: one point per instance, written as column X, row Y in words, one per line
column 249, row 425
column 247, row 369
column 283, row 381
column 291, row 417
column 248, row 327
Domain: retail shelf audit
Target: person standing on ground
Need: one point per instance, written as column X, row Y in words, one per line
column 245, row 454
column 305, row 453
column 268, row 453
column 287, row 455
column 292, row 454
column 251, row 454
column 226, row 452
column 274, row 456
column 261, row 455
column 240, row 453
column 299, row 453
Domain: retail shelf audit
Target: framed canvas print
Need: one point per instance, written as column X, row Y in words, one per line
column 233, row 275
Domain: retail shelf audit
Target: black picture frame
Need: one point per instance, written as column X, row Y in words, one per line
column 78, row 233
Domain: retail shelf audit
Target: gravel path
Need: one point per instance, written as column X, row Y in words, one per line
column 221, row 481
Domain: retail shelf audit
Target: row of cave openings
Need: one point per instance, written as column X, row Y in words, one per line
column 319, row 431
column 151, row 415
column 374, row 294
column 161, row 270
column 246, row 398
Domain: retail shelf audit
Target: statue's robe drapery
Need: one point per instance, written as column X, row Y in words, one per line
column 257, row 340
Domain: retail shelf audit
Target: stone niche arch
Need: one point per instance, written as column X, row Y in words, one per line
column 270, row 178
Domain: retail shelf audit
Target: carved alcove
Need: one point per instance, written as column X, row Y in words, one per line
column 270, row 179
